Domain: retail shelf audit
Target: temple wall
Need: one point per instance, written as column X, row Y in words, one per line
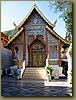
column 52, row 49
column 20, row 53
column 6, row 58
column 18, row 42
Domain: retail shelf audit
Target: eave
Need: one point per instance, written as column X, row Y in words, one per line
column 14, row 36
column 56, row 35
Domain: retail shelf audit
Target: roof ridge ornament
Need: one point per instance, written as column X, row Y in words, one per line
column 34, row 2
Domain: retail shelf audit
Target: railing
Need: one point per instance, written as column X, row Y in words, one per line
column 22, row 69
column 21, row 65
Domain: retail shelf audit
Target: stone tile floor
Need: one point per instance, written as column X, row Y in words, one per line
column 13, row 87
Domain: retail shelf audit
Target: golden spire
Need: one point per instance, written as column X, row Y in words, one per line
column 34, row 2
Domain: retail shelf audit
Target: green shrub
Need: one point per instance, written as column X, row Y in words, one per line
column 48, row 70
column 15, row 72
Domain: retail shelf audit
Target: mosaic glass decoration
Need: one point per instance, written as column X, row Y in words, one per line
column 36, row 19
column 35, row 26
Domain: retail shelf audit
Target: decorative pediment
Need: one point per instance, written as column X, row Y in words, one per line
column 35, row 20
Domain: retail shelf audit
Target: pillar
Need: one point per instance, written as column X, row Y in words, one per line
column 46, row 44
column 24, row 47
column 59, row 52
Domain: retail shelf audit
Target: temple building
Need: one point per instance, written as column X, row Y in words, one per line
column 36, row 40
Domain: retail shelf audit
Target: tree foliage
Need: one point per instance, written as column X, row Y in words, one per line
column 66, row 8
column 10, row 33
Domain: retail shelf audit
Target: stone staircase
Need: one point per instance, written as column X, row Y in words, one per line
column 34, row 73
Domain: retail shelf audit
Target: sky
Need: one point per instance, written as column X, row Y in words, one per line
column 15, row 11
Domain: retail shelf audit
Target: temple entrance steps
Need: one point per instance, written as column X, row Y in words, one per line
column 34, row 73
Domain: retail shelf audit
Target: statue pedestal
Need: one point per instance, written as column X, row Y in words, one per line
column 69, row 69
column 69, row 57
column 57, row 71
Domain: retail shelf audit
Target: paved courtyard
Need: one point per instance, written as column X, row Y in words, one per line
column 13, row 87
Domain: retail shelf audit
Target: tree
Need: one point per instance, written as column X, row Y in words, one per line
column 10, row 33
column 66, row 8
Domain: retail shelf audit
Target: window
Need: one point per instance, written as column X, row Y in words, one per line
column 16, row 52
column 53, row 54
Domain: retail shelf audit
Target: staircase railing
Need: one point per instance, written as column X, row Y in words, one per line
column 21, row 65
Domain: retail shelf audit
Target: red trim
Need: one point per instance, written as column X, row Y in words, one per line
column 59, row 52
column 4, row 37
column 24, row 48
column 46, row 44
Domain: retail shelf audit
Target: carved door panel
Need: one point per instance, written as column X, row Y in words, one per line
column 40, row 59
column 37, row 58
column 34, row 62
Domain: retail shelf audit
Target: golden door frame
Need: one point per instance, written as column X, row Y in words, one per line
column 37, row 54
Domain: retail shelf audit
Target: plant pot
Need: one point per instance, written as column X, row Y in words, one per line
column 49, row 78
column 18, row 77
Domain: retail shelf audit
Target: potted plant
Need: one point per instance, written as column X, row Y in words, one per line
column 16, row 74
column 48, row 72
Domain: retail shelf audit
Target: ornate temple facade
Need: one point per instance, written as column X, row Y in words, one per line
column 35, row 40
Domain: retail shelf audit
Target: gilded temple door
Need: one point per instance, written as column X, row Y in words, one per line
column 37, row 54
column 37, row 58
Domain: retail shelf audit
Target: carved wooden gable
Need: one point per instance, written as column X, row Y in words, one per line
column 35, row 18
column 35, row 25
